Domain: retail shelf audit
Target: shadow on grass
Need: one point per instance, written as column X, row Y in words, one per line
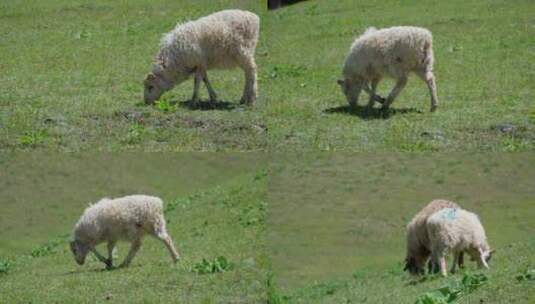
column 99, row 270
column 208, row 106
column 366, row 113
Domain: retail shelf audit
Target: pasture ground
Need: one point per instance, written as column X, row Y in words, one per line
column 336, row 224
column 215, row 207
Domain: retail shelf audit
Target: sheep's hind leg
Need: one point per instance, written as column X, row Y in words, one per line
column 249, row 91
column 166, row 239
column 132, row 253
column 400, row 84
column 429, row 79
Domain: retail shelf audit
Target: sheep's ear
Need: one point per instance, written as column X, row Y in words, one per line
column 340, row 82
column 150, row 77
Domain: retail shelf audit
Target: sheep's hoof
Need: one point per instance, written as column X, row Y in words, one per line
column 379, row 99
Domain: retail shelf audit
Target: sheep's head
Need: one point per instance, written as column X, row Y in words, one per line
column 80, row 251
column 481, row 255
column 154, row 88
column 351, row 90
column 415, row 265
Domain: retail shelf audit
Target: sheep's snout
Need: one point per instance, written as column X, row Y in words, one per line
column 79, row 251
column 152, row 89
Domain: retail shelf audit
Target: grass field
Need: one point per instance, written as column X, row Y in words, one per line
column 72, row 72
column 215, row 208
column 336, row 233
column 484, row 54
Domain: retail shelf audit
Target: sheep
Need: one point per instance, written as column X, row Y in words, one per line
column 223, row 40
column 393, row 52
column 457, row 230
column 418, row 245
column 127, row 218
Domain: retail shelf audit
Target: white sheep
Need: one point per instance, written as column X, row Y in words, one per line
column 393, row 52
column 127, row 218
column 223, row 40
column 418, row 244
column 457, row 230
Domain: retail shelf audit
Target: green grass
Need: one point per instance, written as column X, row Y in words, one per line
column 223, row 259
column 336, row 225
column 72, row 76
column 484, row 58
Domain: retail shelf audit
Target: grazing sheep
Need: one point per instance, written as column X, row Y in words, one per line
column 127, row 218
column 418, row 245
column 393, row 52
column 457, row 230
column 223, row 40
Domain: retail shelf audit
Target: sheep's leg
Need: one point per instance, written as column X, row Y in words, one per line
column 429, row 79
column 454, row 262
column 442, row 261
column 373, row 97
column 354, row 96
column 132, row 253
column 482, row 262
column 461, row 259
column 432, row 266
column 166, row 239
column 109, row 263
column 395, row 91
column 211, row 92
column 196, row 86
column 249, row 92
column 99, row 256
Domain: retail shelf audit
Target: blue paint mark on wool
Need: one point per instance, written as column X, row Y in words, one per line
column 449, row 214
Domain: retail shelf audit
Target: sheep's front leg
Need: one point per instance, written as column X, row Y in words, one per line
column 374, row 97
column 455, row 261
column 99, row 256
column 211, row 92
column 400, row 84
column 442, row 263
column 132, row 253
column 109, row 263
column 196, row 86
column 461, row 260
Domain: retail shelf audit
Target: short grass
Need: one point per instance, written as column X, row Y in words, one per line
column 72, row 72
column 72, row 75
column 215, row 216
column 336, row 224
column 484, row 67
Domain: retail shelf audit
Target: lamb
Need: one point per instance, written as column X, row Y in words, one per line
column 457, row 230
column 223, row 40
column 393, row 52
column 418, row 245
column 127, row 218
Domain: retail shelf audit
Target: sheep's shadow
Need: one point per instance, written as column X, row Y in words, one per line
column 423, row 279
column 366, row 113
column 97, row 270
column 208, row 106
